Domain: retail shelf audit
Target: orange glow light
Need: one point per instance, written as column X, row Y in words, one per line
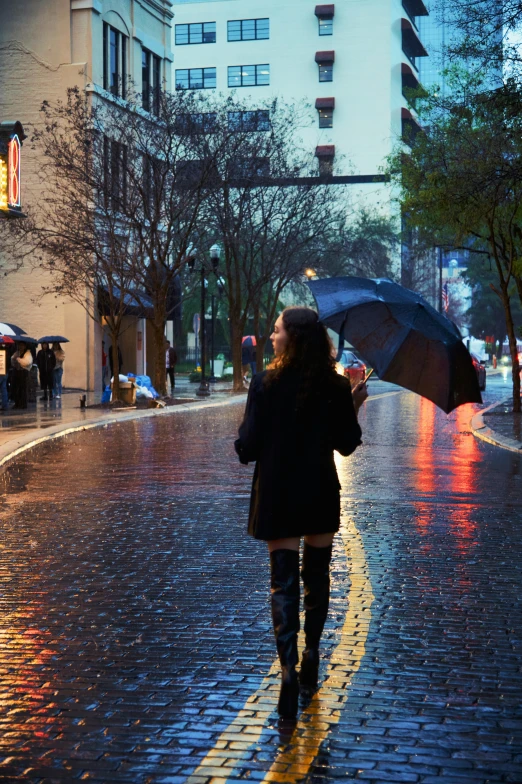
column 13, row 172
column 3, row 184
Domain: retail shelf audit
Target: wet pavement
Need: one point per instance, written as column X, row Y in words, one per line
column 135, row 638
column 41, row 418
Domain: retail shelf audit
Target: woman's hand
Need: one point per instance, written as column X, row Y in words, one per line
column 359, row 395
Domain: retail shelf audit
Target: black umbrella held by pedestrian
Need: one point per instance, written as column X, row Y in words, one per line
column 401, row 336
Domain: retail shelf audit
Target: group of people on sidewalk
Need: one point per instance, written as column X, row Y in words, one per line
column 14, row 384
column 50, row 366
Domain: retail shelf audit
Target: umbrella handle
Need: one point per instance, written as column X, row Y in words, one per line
column 340, row 346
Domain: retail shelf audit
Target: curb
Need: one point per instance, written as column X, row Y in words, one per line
column 484, row 433
column 9, row 452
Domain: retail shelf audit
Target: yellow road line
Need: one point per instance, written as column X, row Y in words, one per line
column 324, row 711
column 386, row 394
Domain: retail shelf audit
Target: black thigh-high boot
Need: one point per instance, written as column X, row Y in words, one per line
column 284, row 567
column 316, row 580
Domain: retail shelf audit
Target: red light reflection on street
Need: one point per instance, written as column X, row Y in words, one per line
column 450, row 473
column 425, row 478
column 463, row 481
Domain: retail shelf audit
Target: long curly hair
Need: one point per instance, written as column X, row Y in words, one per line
column 308, row 351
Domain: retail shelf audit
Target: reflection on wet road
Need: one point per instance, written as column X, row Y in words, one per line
column 135, row 632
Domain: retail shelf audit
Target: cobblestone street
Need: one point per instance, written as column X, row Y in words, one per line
column 135, row 635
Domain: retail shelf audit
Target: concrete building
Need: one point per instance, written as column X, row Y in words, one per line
column 46, row 47
column 350, row 61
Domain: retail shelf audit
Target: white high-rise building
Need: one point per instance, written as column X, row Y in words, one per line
column 349, row 60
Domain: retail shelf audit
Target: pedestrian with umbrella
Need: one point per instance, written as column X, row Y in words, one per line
column 21, row 364
column 5, row 341
column 46, row 362
column 248, row 356
column 298, row 412
column 59, row 354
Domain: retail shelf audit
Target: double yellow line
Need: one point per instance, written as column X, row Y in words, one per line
column 293, row 761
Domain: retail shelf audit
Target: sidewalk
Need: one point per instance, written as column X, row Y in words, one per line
column 498, row 425
column 19, row 430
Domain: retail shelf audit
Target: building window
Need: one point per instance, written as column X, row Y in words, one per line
column 199, row 122
column 150, row 81
column 325, row 155
column 325, row 118
column 249, row 168
column 200, row 33
column 258, row 120
column 325, row 72
column 195, row 78
column 248, row 75
column 325, row 25
column 248, row 29
column 114, row 61
column 115, row 167
column 325, row 167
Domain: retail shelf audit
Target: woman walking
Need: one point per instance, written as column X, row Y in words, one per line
column 298, row 412
column 59, row 355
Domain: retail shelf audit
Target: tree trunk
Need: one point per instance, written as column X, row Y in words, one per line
column 160, row 369
column 515, row 371
column 236, row 335
column 260, row 342
column 115, row 365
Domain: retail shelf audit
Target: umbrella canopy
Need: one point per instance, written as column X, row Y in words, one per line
column 249, row 340
column 401, row 336
column 6, row 340
column 53, row 339
column 26, row 339
column 10, row 329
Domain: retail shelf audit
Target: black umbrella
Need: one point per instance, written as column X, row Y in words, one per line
column 401, row 336
column 26, row 339
column 53, row 339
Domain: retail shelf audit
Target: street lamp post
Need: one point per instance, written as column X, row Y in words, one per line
column 215, row 252
column 203, row 390
column 212, row 378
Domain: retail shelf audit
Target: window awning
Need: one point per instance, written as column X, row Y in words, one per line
column 408, row 77
column 325, row 103
column 325, row 151
column 135, row 304
column 325, row 57
column 415, row 7
column 325, row 11
column 410, row 126
column 411, row 41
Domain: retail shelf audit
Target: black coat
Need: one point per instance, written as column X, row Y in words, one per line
column 295, row 489
column 46, row 361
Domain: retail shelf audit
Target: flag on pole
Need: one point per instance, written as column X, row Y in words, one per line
column 445, row 297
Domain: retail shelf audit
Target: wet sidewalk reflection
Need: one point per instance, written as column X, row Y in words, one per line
column 135, row 637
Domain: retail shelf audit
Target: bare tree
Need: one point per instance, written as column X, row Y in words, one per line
column 267, row 209
column 122, row 204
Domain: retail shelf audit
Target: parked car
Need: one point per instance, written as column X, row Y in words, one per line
column 351, row 367
column 480, row 369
